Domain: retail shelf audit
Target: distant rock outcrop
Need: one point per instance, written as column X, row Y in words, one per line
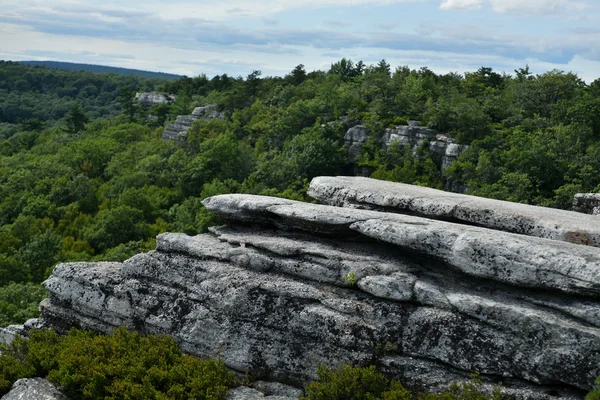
column 414, row 136
column 442, row 147
column 354, row 139
column 148, row 99
column 178, row 130
column 588, row 203
column 428, row 297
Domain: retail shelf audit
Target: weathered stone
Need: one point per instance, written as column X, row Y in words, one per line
column 8, row 334
column 354, row 139
column 287, row 286
column 442, row 146
column 277, row 389
column 588, row 203
column 524, row 219
column 178, row 130
column 207, row 112
column 246, row 393
column 451, row 153
column 34, row 389
column 408, row 135
column 149, row 99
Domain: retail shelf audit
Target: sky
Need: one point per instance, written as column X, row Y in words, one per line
column 273, row 36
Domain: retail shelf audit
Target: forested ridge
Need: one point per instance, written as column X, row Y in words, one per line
column 100, row 68
column 85, row 174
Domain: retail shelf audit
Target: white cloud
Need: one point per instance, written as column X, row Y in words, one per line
column 461, row 4
column 536, row 7
column 519, row 7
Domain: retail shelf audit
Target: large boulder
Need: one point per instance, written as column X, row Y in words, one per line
column 286, row 286
column 34, row 389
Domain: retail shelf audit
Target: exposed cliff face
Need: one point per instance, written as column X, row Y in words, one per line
column 178, row 130
column 442, row 147
column 286, row 286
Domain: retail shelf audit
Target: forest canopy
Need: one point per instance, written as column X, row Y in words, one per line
column 86, row 175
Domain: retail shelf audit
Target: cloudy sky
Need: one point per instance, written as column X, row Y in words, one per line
column 238, row 36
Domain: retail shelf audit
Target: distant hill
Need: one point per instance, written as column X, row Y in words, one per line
column 100, row 68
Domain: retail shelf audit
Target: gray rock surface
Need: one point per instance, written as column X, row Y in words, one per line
column 8, row 334
column 178, row 130
column 441, row 146
column 246, row 393
column 358, row 192
column 149, row 99
column 34, row 389
column 354, row 139
column 432, row 300
column 588, row 203
column 277, row 389
column 407, row 135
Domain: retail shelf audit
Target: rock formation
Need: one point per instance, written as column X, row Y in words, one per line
column 414, row 136
column 354, row 139
column 442, row 147
column 149, row 99
column 33, row 389
column 286, row 286
column 588, row 203
column 178, row 130
column 550, row 223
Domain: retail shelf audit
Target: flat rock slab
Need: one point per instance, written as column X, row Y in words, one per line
column 34, row 389
column 506, row 257
column 359, row 192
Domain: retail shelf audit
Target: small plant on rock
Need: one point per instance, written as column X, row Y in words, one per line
column 351, row 279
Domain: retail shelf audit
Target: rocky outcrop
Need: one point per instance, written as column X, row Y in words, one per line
column 286, row 286
column 34, row 389
column 443, row 148
column 414, row 136
column 357, row 192
column 588, row 203
column 149, row 99
column 178, row 130
column 354, row 139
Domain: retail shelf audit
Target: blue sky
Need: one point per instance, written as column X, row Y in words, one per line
column 238, row 36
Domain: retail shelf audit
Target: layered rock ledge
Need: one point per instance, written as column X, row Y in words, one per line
column 286, row 286
column 365, row 193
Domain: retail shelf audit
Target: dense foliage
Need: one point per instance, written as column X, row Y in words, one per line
column 79, row 182
column 354, row 383
column 32, row 98
column 119, row 366
column 126, row 365
column 19, row 302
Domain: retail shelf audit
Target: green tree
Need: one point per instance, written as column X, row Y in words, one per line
column 76, row 119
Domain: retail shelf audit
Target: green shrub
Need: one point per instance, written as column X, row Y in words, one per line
column 594, row 394
column 19, row 302
column 350, row 383
column 353, row 383
column 120, row 366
